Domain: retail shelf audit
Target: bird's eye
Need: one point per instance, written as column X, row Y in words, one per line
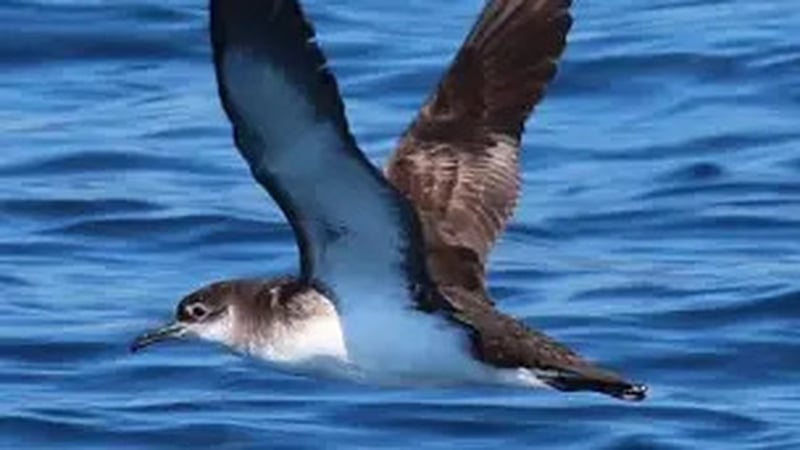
column 198, row 311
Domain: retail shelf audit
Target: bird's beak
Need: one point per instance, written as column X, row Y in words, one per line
column 172, row 330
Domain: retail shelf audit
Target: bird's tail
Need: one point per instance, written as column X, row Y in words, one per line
column 590, row 378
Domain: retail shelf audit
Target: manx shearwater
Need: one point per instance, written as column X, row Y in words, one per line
column 392, row 281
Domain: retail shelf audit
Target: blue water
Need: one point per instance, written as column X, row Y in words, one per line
column 659, row 230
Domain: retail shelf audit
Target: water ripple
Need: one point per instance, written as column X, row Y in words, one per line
column 658, row 232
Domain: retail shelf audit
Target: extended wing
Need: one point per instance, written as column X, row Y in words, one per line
column 458, row 162
column 357, row 236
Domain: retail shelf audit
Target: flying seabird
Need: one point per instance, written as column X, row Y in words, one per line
column 392, row 281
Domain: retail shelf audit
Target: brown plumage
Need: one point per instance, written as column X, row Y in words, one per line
column 458, row 162
column 378, row 257
column 459, row 165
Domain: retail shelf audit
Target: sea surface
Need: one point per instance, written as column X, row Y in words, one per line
column 658, row 233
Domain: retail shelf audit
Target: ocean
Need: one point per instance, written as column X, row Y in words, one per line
column 658, row 231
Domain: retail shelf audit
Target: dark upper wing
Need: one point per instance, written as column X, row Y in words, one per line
column 356, row 234
column 458, row 160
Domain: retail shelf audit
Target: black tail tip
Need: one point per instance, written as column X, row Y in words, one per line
column 614, row 387
column 632, row 392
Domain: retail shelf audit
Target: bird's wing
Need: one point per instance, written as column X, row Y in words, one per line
column 357, row 236
column 458, row 161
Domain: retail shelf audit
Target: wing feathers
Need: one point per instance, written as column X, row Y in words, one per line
column 458, row 161
column 355, row 232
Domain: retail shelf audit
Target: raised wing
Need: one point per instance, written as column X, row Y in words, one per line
column 458, row 162
column 359, row 239
column 356, row 235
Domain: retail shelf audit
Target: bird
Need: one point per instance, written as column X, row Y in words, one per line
column 391, row 287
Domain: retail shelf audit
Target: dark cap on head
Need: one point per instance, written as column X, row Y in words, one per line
column 204, row 304
column 257, row 301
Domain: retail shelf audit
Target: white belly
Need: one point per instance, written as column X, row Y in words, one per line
column 411, row 349
column 414, row 347
column 418, row 350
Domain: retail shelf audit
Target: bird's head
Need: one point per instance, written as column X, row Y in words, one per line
column 206, row 313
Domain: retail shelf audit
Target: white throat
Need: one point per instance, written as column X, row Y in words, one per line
column 315, row 344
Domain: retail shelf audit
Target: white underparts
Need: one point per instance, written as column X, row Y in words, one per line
column 315, row 345
column 432, row 353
